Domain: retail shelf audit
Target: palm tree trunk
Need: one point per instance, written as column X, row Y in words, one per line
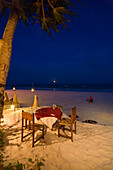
column 6, row 50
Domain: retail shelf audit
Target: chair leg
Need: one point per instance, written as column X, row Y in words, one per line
column 33, row 136
column 71, row 132
column 43, row 132
column 22, row 131
column 75, row 128
column 58, row 130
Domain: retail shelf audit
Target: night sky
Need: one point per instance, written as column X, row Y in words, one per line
column 82, row 55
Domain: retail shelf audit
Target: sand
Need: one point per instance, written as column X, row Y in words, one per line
column 93, row 144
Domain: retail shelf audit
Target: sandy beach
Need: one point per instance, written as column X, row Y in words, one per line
column 93, row 144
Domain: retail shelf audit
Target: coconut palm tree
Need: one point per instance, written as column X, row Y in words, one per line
column 50, row 14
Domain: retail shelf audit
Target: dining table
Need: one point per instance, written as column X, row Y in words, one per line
column 48, row 115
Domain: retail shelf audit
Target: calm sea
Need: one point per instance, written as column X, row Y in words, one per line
column 67, row 87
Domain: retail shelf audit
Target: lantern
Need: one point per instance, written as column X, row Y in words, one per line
column 1, row 120
column 13, row 107
column 14, row 88
column 32, row 90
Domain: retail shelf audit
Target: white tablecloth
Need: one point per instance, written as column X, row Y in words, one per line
column 49, row 121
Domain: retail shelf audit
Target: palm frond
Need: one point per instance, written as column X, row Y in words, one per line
column 51, row 14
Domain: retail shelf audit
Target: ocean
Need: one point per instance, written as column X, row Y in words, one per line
column 67, row 87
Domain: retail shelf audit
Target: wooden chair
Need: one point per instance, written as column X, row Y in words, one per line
column 29, row 124
column 67, row 124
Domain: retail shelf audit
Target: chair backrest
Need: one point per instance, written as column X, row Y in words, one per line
column 73, row 114
column 28, row 116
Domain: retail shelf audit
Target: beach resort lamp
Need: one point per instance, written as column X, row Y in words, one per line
column 54, row 81
column 14, row 88
column 32, row 90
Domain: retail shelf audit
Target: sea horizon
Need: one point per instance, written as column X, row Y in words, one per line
column 64, row 87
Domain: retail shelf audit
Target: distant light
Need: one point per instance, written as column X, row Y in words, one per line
column 54, row 81
column 32, row 89
column 14, row 88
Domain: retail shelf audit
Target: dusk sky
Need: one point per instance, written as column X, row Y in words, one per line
column 82, row 55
